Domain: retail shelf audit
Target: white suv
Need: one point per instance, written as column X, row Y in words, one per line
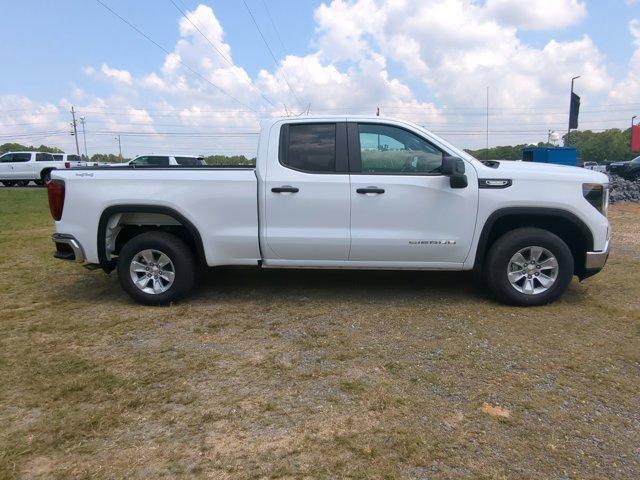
column 20, row 168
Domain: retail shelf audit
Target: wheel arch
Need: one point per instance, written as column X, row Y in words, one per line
column 566, row 225
column 45, row 171
column 108, row 264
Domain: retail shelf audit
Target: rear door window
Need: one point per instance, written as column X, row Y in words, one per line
column 309, row 147
column 58, row 157
column 44, row 157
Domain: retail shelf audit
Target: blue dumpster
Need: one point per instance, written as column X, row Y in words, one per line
column 558, row 155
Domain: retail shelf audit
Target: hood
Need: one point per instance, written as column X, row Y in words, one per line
column 542, row 171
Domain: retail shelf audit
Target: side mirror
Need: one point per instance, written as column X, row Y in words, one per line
column 453, row 167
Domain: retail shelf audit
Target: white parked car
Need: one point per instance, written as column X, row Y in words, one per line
column 339, row 192
column 72, row 160
column 163, row 161
column 20, row 168
column 595, row 166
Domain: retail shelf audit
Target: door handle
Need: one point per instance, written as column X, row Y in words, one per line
column 370, row 190
column 285, row 189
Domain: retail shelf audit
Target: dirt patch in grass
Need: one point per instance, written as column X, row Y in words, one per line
column 284, row 374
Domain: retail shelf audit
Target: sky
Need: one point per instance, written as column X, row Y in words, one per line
column 182, row 76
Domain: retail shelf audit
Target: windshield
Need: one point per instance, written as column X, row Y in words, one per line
column 636, row 160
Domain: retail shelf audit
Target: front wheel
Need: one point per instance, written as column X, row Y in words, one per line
column 8, row 183
column 156, row 268
column 22, row 183
column 529, row 267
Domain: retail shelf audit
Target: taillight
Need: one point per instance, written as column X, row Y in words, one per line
column 55, row 191
column 67, row 164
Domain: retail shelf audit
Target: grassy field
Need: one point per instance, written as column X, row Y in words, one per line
column 314, row 374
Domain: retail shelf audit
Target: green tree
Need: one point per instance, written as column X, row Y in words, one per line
column 609, row 146
column 13, row 147
column 107, row 157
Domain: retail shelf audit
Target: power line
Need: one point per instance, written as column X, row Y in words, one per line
column 273, row 24
column 222, row 55
column 284, row 76
column 596, row 108
column 178, row 59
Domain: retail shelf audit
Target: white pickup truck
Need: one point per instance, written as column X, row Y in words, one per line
column 71, row 160
column 338, row 192
column 20, row 168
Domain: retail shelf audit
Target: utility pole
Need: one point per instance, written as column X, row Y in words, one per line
column 566, row 143
column 377, row 111
column 487, row 144
column 84, row 137
column 119, row 148
column 74, row 124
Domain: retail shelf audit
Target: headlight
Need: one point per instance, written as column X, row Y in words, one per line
column 597, row 195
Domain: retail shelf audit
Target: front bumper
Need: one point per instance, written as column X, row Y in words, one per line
column 68, row 248
column 595, row 261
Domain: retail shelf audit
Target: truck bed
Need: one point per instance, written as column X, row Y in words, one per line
column 221, row 202
column 167, row 167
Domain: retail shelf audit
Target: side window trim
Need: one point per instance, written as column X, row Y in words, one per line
column 342, row 153
column 355, row 160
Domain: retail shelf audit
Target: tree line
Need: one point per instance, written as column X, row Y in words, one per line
column 111, row 158
column 609, row 146
column 612, row 145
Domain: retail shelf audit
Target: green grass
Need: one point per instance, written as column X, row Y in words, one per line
column 311, row 374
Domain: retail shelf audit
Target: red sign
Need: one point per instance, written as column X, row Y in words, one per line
column 635, row 138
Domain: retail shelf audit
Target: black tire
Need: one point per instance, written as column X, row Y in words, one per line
column 39, row 183
column 22, row 183
column 45, row 176
column 184, row 267
column 499, row 257
column 8, row 183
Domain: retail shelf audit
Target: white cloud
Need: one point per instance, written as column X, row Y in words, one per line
column 448, row 50
column 456, row 48
column 121, row 76
column 628, row 89
column 536, row 14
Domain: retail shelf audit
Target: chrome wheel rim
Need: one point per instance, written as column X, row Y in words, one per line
column 532, row 270
column 152, row 271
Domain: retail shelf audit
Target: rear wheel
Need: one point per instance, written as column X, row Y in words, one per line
column 8, row 183
column 45, row 177
column 39, row 183
column 529, row 267
column 156, row 268
column 22, row 183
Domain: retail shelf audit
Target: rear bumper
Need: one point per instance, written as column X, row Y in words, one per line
column 68, row 248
